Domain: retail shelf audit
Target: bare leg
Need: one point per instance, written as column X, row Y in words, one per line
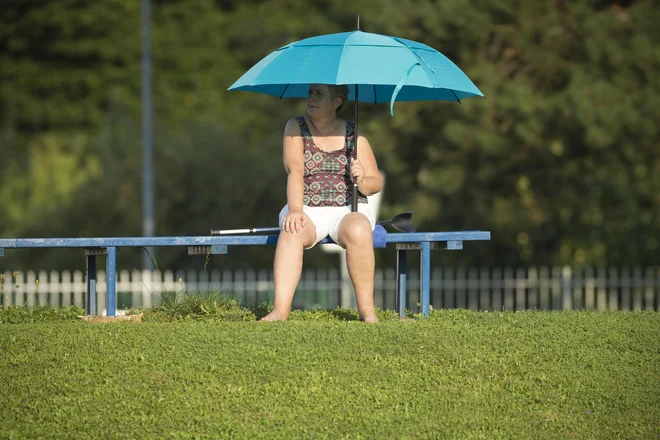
column 356, row 236
column 287, row 268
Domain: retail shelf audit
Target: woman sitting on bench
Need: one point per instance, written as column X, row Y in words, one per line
column 318, row 158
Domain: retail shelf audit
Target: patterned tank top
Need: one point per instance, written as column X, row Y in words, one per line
column 327, row 179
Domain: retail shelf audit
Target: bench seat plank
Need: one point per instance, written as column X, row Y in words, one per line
column 422, row 241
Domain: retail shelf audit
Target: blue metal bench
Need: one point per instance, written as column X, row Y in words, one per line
column 404, row 241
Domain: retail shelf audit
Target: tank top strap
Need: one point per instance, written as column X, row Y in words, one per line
column 304, row 128
column 350, row 136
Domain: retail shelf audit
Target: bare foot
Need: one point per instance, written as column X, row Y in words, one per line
column 370, row 318
column 275, row 316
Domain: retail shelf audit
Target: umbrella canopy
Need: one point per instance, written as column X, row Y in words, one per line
column 386, row 69
column 376, row 68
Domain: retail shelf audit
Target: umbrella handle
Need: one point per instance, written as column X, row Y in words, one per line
column 354, row 201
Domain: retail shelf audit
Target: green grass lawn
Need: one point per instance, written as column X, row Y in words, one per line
column 459, row 374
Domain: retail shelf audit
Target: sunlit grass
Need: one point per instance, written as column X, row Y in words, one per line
column 324, row 374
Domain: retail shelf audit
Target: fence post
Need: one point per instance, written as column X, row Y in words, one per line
column 521, row 284
column 577, row 288
column 613, row 290
column 461, row 287
column 203, row 282
column 625, row 289
column 42, row 282
column 251, row 286
column 555, row 284
column 146, row 280
column 78, row 289
column 545, row 300
column 589, row 289
column 263, row 284
column 648, row 290
column 30, row 288
column 532, row 288
column 226, row 283
column 101, row 292
column 473, row 289
column 637, row 285
column 66, row 286
column 389, row 289
column 601, row 286
column 484, row 291
column 168, row 283
column 449, row 288
column 307, row 297
column 496, row 283
column 566, row 280
column 509, row 284
column 18, row 287
column 379, row 297
column 657, row 296
column 191, row 282
column 239, row 285
column 124, row 284
column 5, row 288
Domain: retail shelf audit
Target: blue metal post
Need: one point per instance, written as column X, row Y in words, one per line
column 426, row 278
column 112, row 281
column 90, row 307
column 401, row 282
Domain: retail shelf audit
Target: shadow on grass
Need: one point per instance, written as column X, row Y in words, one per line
column 261, row 309
column 345, row 314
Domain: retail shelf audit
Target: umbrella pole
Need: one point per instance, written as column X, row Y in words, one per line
column 354, row 201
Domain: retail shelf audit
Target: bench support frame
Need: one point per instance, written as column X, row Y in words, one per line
column 424, row 242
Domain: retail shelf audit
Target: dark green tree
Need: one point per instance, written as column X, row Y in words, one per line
column 560, row 160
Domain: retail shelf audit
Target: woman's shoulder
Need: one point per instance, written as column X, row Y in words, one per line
column 294, row 126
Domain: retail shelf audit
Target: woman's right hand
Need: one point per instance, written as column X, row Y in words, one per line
column 294, row 221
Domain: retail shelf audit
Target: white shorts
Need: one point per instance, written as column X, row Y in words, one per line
column 327, row 218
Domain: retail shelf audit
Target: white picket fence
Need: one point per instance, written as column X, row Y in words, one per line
column 556, row 288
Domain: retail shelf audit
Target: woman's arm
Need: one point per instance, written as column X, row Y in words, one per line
column 294, row 157
column 294, row 162
column 364, row 170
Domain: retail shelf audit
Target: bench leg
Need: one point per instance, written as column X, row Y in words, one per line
column 90, row 304
column 112, row 281
column 401, row 282
column 425, row 278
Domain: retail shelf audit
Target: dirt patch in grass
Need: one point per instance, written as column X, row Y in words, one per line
column 103, row 319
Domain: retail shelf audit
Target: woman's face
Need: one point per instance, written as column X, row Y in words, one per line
column 319, row 101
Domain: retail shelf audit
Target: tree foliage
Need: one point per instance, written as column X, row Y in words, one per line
column 560, row 160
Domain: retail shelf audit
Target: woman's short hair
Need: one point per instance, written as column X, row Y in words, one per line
column 340, row 91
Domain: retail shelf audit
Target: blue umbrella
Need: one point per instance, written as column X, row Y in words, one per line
column 376, row 68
